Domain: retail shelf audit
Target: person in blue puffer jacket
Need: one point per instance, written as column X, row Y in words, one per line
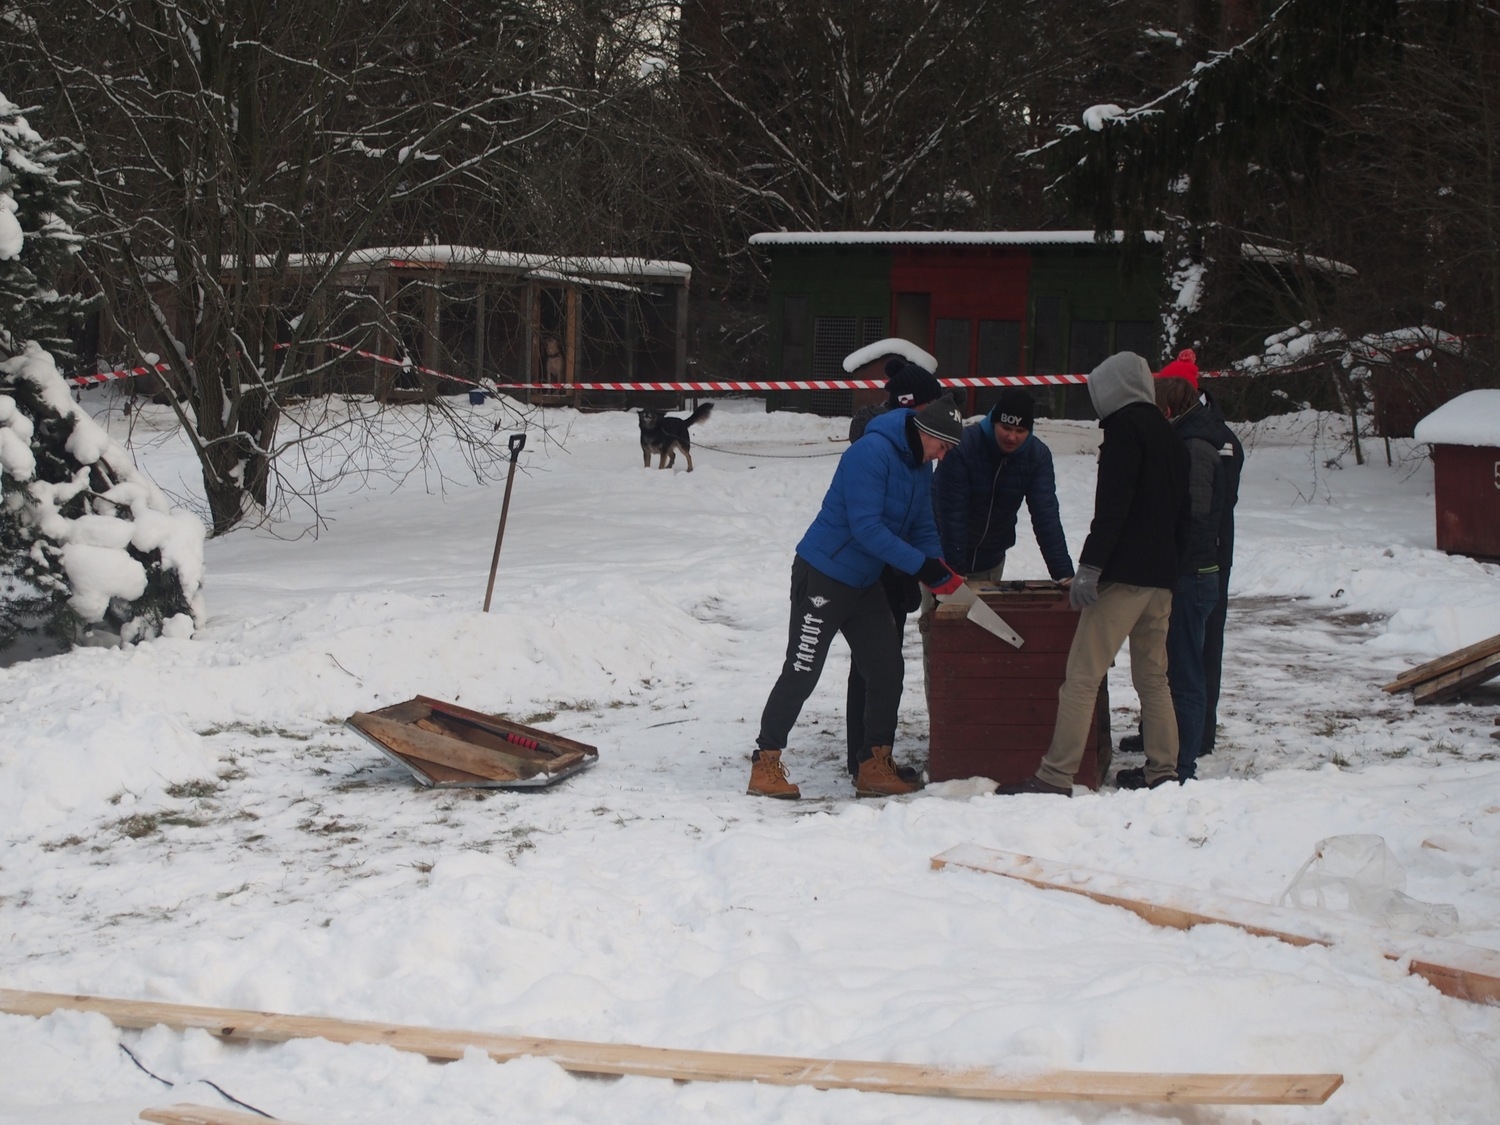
column 877, row 513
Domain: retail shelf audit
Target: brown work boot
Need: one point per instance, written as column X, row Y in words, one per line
column 768, row 777
column 878, row 776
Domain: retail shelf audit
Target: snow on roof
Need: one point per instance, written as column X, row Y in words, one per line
column 505, row 259
column 893, row 345
column 549, row 266
column 1472, row 418
column 1273, row 256
column 937, row 238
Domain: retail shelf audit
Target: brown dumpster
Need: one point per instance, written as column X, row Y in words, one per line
column 992, row 706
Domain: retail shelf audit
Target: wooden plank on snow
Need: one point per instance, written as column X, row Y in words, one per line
column 184, row 1113
column 552, row 743
column 582, row 1057
column 412, row 741
column 1463, row 971
column 1456, row 659
column 1452, row 683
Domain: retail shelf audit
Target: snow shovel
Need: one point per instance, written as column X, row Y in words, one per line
column 517, row 443
column 982, row 615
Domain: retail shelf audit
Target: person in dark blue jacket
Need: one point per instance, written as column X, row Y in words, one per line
column 978, row 489
column 877, row 512
column 977, row 493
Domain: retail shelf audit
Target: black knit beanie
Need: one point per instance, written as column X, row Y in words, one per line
column 910, row 385
column 1015, row 407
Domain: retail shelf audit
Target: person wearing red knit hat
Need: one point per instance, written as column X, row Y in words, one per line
column 1185, row 366
column 1232, row 455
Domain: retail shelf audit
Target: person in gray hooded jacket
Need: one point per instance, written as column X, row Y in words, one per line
column 1126, row 573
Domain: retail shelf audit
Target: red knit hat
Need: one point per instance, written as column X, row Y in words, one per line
column 1185, row 366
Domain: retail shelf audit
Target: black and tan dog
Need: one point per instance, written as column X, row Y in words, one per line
column 664, row 435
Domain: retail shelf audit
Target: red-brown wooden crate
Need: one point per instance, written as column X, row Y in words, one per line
column 992, row 706
column 978, row 678
column 1466, row 494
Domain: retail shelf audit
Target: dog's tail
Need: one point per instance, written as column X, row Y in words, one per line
column 701, row 414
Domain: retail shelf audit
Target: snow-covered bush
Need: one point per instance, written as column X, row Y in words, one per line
column 85, row 539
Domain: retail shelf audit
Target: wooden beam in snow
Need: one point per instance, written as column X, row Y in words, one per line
column 1453, row 661
column 184, row 1113
column 1463, row 971
column 581, row 1057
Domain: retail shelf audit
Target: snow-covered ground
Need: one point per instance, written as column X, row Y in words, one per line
column 189, row 821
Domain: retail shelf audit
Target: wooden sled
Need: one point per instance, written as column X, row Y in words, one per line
column 446, row 746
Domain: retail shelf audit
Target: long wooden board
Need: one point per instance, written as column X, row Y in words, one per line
column 1433, row 668
column 582, row 1057
column 1463, row 971
column 185, row 1113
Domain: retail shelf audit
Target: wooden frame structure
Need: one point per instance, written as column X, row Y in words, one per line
column 476, row 313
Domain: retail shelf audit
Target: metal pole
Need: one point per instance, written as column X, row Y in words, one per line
column 517, row 443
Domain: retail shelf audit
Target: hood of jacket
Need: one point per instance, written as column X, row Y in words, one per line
column 1120, row 380
column 891, row 427
column 1198, row 423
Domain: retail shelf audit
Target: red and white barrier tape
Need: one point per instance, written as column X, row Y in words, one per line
column 696, row 386
column 117, row 373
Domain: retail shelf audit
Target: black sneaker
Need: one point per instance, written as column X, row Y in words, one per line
column 1136, row 779
column 1032, row 785
column 1131, row 744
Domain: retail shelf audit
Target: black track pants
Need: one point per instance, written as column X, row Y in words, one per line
column 821, row 608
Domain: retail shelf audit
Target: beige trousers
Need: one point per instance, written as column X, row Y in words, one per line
column 1139, row 613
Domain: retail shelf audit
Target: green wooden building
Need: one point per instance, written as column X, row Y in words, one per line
column 983, row 302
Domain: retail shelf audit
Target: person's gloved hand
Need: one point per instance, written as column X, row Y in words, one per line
column 1084, row 591
column 939, row 577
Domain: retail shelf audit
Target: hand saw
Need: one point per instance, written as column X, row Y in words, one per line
column 981, row 614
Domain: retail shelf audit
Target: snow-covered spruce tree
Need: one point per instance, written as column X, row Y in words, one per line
column 37, row 239
column 85, row 539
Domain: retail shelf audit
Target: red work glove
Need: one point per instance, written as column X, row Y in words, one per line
column 939, row 577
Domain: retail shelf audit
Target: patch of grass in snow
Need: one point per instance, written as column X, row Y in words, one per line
column 65, row 842
column 181, row 821
column 537, row 717
column 259, row 730
column 183, row 790
column 137, row 826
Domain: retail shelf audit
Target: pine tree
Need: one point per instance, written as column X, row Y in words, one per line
column 85, row 540
column 37, row 240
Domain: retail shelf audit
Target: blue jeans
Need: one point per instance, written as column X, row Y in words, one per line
column 1193, row 602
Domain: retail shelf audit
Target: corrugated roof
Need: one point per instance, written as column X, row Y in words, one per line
column 936, row 238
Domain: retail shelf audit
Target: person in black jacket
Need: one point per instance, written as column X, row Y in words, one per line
column 1126, row 572
column 1197, row 590
column 913, row 386
column 1232, row 461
